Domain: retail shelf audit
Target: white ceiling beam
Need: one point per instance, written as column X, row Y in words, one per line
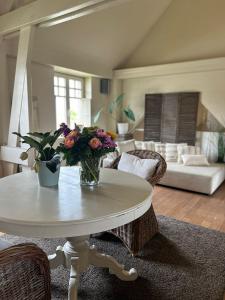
column 197, row 66
column 83, row 12
column 46, row 11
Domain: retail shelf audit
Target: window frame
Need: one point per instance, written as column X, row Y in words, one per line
column 67, row 77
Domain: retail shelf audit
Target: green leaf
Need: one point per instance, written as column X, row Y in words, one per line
column 39, row 135
column 47, row 154
column 111, row 107
column 97, row 116
column 129, row 113
column 119, row 99
column 30, row 141
column 51, row 139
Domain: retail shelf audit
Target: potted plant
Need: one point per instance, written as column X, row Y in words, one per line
column 47, row 160
column 117, row 105
column 86, row 147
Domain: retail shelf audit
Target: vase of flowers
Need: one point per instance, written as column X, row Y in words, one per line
column 47, row 160
column 90, row 171
column 86, row 147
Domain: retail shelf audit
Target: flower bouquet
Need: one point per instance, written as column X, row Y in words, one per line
column 87, row 147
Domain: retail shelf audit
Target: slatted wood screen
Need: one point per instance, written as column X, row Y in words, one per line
column 171, row 117
column 152, row 122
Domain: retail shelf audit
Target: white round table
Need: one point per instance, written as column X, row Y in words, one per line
column 73, row 212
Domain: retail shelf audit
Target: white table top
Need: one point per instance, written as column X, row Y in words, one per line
column 71, row 210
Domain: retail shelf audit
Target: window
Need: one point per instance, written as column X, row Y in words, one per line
column 71, row 105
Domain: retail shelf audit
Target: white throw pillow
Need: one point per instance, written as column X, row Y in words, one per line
column 150, row 145
column 160, row 148
column 185, row 149
column 145, row 145
column 144, row 168
column 125, row 146
column 171, row 152
column 139, row 145
column 195, row 160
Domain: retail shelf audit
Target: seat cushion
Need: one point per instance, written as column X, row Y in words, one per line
column 202, row 179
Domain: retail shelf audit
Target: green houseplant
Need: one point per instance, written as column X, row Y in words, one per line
column 117, row 105
column 47, row 161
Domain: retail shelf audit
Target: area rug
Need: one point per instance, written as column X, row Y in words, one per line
column 183, row 262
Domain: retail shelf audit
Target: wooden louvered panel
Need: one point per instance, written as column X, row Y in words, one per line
column 152, row 126
column 169, row 118
column 188, row 108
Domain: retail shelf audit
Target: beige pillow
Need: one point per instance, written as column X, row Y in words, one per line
column 160, row 148
column 195, row 160
column 125, row 146
column 139, row 145
column 185, row 149
column 171, row 152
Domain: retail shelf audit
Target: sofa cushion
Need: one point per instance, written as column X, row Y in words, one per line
column 185, row 149
column 202, row 179
column 195, row 160
column 160, row 148
column 171, row 152
column 135, row 165
column 126, row 146
column 145, row 145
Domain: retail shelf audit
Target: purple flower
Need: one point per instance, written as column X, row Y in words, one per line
column 108, row 143
column 101, row 133
column 64, row 129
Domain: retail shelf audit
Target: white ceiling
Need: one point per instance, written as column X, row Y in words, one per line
column 9, row 5
column 99, row 42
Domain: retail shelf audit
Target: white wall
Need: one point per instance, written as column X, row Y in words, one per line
column 211, row 85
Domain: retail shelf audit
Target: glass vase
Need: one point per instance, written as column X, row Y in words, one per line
column 89, row 172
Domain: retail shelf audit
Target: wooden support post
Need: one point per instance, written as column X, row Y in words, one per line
column 21, row 91
column 20, row 119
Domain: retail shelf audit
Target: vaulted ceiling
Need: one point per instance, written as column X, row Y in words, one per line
column 99, row 42
column 9, row 5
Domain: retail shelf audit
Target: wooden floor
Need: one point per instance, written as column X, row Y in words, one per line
column 207, row 211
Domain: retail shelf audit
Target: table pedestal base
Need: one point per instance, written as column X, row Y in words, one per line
column 77, row 255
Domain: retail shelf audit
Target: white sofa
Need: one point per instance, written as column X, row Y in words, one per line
column 201, row 179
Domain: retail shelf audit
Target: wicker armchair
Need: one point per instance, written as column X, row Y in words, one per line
column 24, row 273
column 137, row 233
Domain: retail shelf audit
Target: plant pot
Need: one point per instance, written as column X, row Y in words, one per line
column 90, row 171
column 122, row 128
column 46, row 177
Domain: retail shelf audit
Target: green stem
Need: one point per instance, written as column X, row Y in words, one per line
column 90, row 170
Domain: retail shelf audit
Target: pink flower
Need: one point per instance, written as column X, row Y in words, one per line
column 69, row 142
column 95, row 143
column 101, row 133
